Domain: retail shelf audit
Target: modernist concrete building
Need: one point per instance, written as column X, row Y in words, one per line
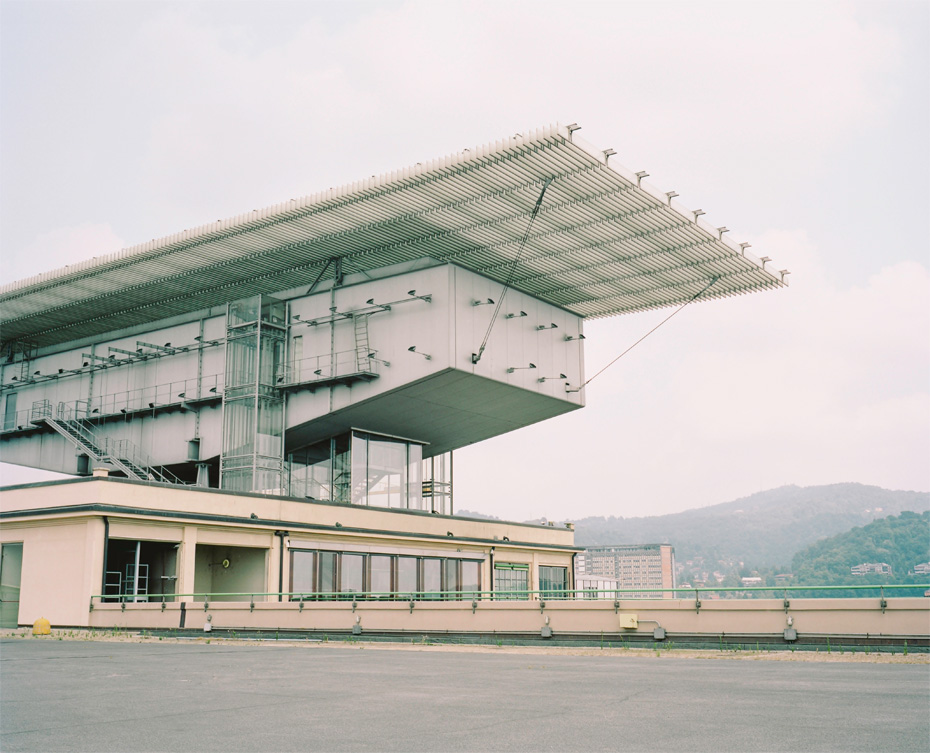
column 626, row 566
column 272, row 401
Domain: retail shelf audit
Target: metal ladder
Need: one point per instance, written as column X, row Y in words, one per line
column 362, row 347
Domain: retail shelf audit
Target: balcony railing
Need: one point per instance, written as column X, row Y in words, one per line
column 608, row 597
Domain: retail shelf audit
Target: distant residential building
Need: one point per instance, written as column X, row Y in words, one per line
column 753, row 580
column 922, row 569
column 629, row 566
column 880, row 568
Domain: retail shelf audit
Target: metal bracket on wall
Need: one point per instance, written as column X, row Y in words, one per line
column 301, row 606
column 206, row 604
column 697, row 602
column 542, row 606
column 411, row 606
column 474, row 606
column 616, row 607
column 354, row 605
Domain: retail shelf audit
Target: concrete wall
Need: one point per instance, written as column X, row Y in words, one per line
column 908, row 617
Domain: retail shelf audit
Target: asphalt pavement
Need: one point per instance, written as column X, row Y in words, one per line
column 96, row 696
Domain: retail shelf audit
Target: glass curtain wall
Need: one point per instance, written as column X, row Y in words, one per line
column 253, row 408
column 360, row 468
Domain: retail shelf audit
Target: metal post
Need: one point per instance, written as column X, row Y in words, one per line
column 135, row 575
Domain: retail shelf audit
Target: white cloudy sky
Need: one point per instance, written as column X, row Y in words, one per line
column 801, row 126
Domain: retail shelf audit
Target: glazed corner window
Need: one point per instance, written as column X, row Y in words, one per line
column 553, row 582
column 511, row 581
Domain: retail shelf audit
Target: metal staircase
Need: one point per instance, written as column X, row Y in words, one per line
column 101, row 449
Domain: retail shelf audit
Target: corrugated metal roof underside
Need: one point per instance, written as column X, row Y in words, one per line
column 602, row 244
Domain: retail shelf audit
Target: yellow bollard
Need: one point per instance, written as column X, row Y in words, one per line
column 41, row 627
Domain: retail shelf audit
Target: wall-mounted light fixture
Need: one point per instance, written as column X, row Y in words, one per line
column 428, row 297
column 546, row 379
column 413, row 349
column 515, row 368
column 374, row 357
column 515, row 316
column 551, row 325
column 486, row 302
column 574, row 337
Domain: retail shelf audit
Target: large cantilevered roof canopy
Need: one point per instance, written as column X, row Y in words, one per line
column 603, row 243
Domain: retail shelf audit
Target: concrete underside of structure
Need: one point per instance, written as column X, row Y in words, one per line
column 452, row 403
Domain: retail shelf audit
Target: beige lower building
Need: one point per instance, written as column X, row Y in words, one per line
column 68, row 544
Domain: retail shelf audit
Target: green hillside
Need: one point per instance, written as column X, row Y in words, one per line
column 901, row 541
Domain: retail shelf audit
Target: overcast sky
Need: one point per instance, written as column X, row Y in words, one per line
column 803, row 127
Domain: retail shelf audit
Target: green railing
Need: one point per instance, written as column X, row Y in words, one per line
column 475, row 596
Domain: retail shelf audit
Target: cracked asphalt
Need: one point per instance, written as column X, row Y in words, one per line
column 110, row 696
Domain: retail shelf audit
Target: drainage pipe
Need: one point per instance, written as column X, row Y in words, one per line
column 280, row 535
column 106, row 545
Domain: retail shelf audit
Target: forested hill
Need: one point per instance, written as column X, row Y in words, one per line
column 763, row 530
column 901, row 541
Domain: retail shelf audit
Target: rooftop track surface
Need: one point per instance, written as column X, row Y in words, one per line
column 276, row 696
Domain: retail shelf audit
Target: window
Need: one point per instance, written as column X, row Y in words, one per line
column 450, row 577
column 553, row 582
column 432, row 577
column 380, row 575
column 335, row 575
column 353, row 574
column 407, row 575
column 471, row 582
column 511, row 581
column 326, row 582
column 302, row 572
column 9, row 412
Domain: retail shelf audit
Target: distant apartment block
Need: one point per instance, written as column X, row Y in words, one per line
column 627, row 566
column 922, row 569
column 880, row 568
